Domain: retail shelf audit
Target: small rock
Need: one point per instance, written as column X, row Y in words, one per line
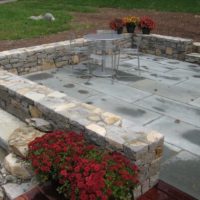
column 110, row 119
column 40, row 124
column 75, row 60
column 96, row 128
column 19, row 181
column 17, row 167
column 1, row 179
column 94, row 118
column 2, row 196
column 4, row 172
column 34, row 111
column 11, row 179
column 34, row 180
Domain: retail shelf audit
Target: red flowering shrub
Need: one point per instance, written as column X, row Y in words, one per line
column 83, row 171
column 116, row 24
column 146, row 22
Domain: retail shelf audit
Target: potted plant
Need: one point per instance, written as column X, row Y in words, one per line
column 117, row 24
column 82, row 171
column 146, row 24
column 131, row 22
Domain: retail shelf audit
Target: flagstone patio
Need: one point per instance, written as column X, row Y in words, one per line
column 164, row 96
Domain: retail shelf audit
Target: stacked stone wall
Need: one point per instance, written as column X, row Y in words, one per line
column 26, row 99
column 43, row 57
column 32, row 59
column 165, row 46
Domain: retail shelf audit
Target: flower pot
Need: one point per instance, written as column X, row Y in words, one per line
column 120, row 30
column 146, row 30
column 130, row 28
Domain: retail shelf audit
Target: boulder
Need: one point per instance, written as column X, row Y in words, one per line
column 20, row 138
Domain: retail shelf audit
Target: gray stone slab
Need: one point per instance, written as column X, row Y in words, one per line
column 162, row 77
column 8, row 123
column 196, row 102
column 130, row 97
column 117, row 90
column 174, row 92
column 129, row 111
column 72, row 89
column 191, row 84
column 125, row 77
column 70, row 73
column 184, row 74
column 172, row 108
column 39, row 76
column 159, row 69
column 76, row 73
column 169, row 151
column 180, row 134
column 14, row 190
column 180, row 64
column 152, row 57
column 183, row 172
column 148, row 65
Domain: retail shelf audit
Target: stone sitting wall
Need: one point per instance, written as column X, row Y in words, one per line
column 166, row 46
column 38, row 58
column 32, row 59
column 26, row 99
column 26, row 60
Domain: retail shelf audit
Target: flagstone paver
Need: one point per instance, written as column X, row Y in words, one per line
column 183, row 171
column 8, row 123
column 177, row 110
column 164, row 96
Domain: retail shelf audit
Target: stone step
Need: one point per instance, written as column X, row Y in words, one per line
column 13, row 190
column 196, row 47
column 193, row 58
column 8, row 123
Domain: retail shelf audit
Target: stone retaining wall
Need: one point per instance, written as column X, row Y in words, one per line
column 26, row 99
column 26, row 60
column 31, row 59
column 37, row 58
column 166, row 46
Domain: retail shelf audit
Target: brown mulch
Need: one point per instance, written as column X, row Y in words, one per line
column 184, row 25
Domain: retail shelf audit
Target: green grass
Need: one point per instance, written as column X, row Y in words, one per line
column 15, row 24
column 191, row 6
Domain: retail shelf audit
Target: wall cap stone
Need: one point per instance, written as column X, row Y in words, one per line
column 164, row 37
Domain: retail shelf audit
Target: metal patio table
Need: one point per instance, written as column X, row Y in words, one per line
column 107, row 41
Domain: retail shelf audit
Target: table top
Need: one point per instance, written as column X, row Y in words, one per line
column 103, row 36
